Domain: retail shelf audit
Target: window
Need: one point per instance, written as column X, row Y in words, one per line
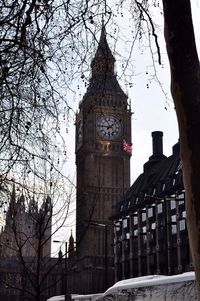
column 125, row 223
column 144, row 229
column 135, row 220
column 182, row 224
column 173, row 218
column 150, row 212
column 117, row 225
column 160, row 208
column 184, row 214
column 173, row 229
column 173, row 204
column 144, row 238
column 143, row 216
column 153, row 226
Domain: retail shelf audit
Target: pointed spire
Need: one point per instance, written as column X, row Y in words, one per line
column 71, row 239
column 103, row 62
column 71, row 248
column 12, row 205
column 21, row 202
column 60, row 254
column 46, row 207
column 13, row 196
column 103, row 50
column 103, row 80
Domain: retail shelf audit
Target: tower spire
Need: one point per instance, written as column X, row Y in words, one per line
column 71, row 248
column 12, row 205
column 103, row 62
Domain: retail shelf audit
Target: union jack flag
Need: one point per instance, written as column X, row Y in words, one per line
column 127, row 147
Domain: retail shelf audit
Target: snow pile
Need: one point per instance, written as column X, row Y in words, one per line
column 146, row 281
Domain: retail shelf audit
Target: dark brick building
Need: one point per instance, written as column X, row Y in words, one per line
column 150, row 225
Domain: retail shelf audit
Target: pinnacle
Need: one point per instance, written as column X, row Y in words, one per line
column 103, row 50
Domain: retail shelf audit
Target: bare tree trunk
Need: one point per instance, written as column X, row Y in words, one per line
column 185, row 87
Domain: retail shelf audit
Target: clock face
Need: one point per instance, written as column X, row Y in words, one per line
column 109, row 126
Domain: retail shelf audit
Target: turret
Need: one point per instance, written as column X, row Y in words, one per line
column 71, row 249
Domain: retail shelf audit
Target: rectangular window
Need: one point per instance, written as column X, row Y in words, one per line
column 144, row 238
column 160, row 208
column 182, row 224
column 125, row 223
column 144, row 229
column 174, row 229
column 135, row 220
column 144, row 216
column 173, row 204
column 173, row 218
column 184, row 214
column 150, row 212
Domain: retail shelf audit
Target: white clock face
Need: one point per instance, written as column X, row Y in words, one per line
column 109, row 126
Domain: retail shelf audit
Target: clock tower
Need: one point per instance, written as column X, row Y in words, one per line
column 103, row 169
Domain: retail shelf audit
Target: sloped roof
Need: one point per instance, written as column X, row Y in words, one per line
column 161, row 179
column 105, row 85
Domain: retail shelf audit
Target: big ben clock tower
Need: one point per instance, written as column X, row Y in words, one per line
column 103, row 169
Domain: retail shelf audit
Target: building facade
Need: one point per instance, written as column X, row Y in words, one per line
column 150, row 225
column 25, row 250
column 103, row 169
column 21, row 232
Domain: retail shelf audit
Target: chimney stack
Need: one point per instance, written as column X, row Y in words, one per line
column 157, row 144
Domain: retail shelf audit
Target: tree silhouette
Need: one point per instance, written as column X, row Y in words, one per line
column 28, row 270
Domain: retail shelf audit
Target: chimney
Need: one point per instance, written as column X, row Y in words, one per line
column 157, row 145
